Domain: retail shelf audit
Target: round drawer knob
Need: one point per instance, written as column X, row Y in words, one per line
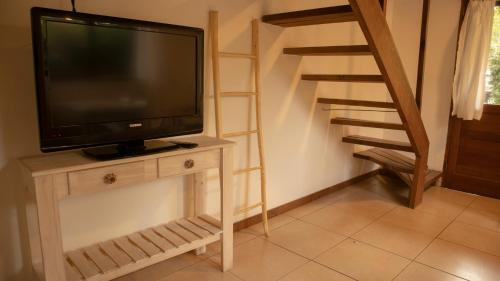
column 189, row 164
column 109, row 178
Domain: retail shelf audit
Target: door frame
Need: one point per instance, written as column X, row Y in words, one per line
column 450, row 177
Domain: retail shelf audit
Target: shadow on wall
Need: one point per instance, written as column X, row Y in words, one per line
column 18, row 137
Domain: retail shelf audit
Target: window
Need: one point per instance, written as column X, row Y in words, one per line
column 493, row 73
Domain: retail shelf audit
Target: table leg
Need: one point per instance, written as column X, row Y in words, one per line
column 226, row 180
column 50, row 228
column 195, row 200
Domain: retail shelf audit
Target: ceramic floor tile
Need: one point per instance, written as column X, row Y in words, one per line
column 261, row 260
column 313, row 271
column 461, row 261
column 487, row 218
column 450, row 195
column 363, row 262
column 415, row 220
column 307, row 208
column 204, row 271
column 420, row 272
column 472, row 236
column 275, row 222
column 441, row 207
column 395, row 239
column 342, row 220
column 365, row 201
column 304, row 239
column 486, row 203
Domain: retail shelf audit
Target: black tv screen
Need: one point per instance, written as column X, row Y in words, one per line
column 103, row 80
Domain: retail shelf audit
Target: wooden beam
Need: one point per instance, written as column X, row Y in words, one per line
column 374, row 26
column 344, row 78
column 365, row 103
column 367, row 123
column 312, row 17
column 354, row 50
column 454, row 124
column 376, row 142
column 418, row 182
column 388, row 159
column 421, row 53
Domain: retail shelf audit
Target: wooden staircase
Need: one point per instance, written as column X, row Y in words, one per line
column 370, row 17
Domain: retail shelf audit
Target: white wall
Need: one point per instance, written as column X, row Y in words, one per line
column 303, row 152
column 438, row 76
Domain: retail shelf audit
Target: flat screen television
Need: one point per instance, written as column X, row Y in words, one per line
column 105, row 80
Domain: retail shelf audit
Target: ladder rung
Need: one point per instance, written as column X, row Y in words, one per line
column 236, row 55
column 246, row 170
column 237, row 134
column 238, row 94
column 242, row 210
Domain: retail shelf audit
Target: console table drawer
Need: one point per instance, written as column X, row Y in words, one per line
column 188, row 163
column 115, row 176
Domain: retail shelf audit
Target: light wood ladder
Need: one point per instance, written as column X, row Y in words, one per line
column 255, row 58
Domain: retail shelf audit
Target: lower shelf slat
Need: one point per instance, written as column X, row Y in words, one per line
column 170, row 236
column 198, row 231
column 185, row 234
column 85, row 266
column 159, row 242
column 103, row 262
column 130, row 249
column 117, row 257
column 72, row 273
column 147, row 247
column 205, row 225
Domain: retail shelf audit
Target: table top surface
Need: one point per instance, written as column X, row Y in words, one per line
column 60, row 162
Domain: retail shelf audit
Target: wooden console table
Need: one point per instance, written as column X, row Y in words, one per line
column 54, row 177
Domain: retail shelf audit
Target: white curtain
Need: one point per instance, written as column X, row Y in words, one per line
column 472, row 60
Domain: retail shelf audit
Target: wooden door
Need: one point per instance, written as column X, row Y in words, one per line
column 472, row 161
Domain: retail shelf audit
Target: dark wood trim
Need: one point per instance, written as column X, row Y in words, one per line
column 359, row 78
column 379, row 37
column 348, row 50
column 365, row 103
column 312, row 17
column 383, row 4
column 377, row 142
column 453, row 123
column 302, row 201
column 366, row 123
column 388, row 159
column 421, row 53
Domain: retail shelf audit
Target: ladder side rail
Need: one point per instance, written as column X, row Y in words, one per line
column 258, row 107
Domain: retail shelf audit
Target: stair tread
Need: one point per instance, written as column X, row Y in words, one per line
column 334, row 14
column 389, row 159
column 402, row 165
column 366, row 103
column 366, row 78
column 367, row 123
column 350, row 50
column 383, row 143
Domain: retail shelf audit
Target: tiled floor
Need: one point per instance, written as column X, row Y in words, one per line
column 359, row 233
